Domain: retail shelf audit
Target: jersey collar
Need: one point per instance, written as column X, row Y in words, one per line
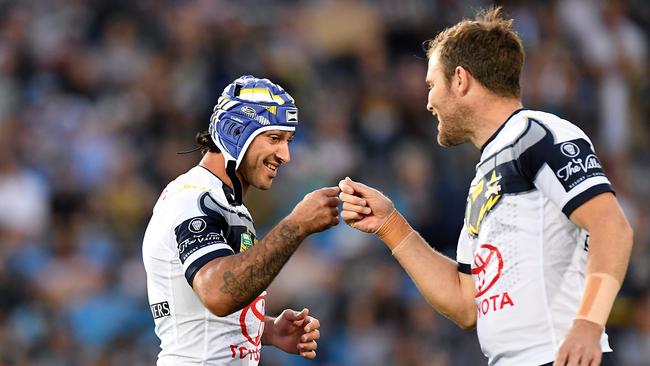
column 496, row 133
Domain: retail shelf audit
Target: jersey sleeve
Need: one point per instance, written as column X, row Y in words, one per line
column 564, row 168
column 464, row 254
column 201, row 239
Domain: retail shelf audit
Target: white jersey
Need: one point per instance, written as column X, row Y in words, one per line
column 526, row 257
column 192, row 224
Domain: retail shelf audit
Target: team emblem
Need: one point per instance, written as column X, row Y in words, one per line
column 197, row 225
column 569, row 149
column 483, row 197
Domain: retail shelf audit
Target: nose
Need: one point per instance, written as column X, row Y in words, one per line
column 282, row 153
column 429, row 107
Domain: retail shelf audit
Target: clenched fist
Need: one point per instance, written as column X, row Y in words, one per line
column 317, row 211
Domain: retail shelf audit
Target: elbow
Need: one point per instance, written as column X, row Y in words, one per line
column 219, row 306
column 467, row 322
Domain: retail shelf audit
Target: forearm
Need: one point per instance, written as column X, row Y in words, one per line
column 435, row 275
column 437, row 278
column 233, row 282
column 610, row 245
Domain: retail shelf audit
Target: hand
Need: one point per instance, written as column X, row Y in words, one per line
column 364, row 208
column 295, row 332
column 581, row 347
column 317, row 211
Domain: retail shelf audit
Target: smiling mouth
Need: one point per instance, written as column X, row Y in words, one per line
column 272, row 168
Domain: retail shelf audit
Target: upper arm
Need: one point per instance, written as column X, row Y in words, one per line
column 563, row 165
column 598, row 212
column 200, row 239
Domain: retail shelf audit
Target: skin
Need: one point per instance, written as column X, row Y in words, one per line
column 230, row 283
column 468, row 112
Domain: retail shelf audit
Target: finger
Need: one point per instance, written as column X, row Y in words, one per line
column 311, row 336
column 345, row 197
column 330, row 191
column 361, row 188
column 351, row 216
column 312, row 324
column 356, row 208
column 308, row 346
column 334, row 211
column 293, row 315
column 309, row 355
column 597, row 358
column 332, row 201
column 573, row 359
column 345, row 187
column 300, row 317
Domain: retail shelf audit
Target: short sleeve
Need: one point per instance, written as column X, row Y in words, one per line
column 200, row 239
column 464, row 251
column 567, row 171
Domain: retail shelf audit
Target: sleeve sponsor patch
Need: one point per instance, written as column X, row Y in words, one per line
column 574, row 162
column 200, row 232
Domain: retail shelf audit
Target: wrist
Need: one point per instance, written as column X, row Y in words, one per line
column 394, row 230
column 293, row 226
column 598, row 298
column 268, row 334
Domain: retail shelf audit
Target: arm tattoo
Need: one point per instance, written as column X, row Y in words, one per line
column 253, row 272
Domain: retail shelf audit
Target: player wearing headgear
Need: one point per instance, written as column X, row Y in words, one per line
column 206, row 270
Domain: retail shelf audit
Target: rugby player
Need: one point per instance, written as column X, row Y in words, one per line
column 206, row 270
column 545, row 244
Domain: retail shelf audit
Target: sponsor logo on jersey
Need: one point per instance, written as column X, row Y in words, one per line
column 483, row 197
column 486, row 270
column 577, row 166
column 197, row 225
column 247, row 241
column 251, row 321
column 160, row 310
column 196, row 242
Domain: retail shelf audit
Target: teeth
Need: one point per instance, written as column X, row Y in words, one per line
column 270, row 166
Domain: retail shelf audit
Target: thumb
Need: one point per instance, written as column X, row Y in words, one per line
column 358, row 187
column 300, row 317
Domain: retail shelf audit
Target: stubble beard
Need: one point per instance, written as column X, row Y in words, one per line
column 456, row 128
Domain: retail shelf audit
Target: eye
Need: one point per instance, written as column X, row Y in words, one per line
column 274, row 138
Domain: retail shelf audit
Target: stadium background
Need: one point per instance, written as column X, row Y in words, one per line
column 97, row 96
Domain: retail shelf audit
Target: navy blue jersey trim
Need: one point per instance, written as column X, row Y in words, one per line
column 224, row 208
column 585, row 196
column 484, row 161
column 202, row 261
column 465, row 268
column 494, row 135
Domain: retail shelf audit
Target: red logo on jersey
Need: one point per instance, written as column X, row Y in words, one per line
column 254, row 311
column 482, row 258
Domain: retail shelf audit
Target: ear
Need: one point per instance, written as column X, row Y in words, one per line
column 461, row 80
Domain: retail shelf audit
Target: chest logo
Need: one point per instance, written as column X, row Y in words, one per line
column 483, row 197
column 488, row 264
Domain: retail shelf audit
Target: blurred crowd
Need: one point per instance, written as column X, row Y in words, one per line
column 97, row 96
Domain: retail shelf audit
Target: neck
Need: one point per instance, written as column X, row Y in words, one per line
column 494, row 111
column 216, row 164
